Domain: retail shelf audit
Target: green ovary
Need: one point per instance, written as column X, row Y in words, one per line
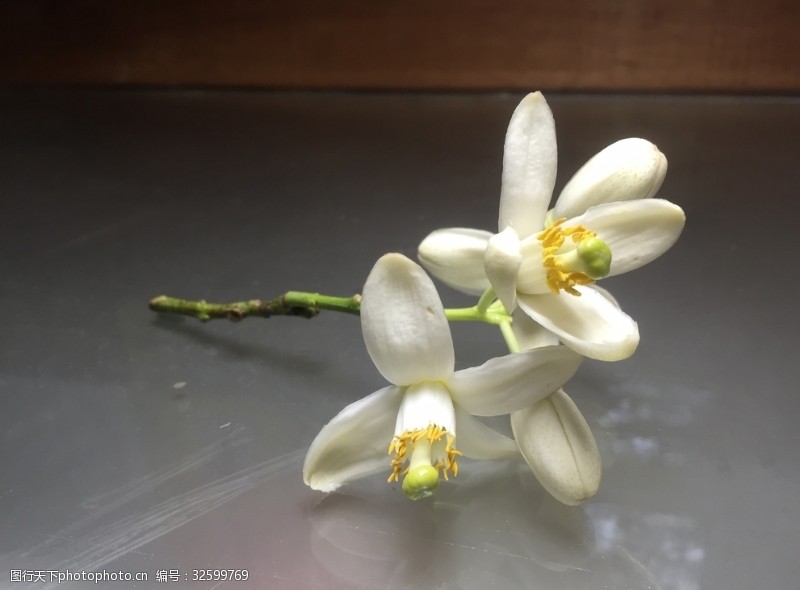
column 421, row 482
column 595, row 255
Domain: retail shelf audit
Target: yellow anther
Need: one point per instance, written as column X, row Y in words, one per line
column 402, row 445
column 559, row 277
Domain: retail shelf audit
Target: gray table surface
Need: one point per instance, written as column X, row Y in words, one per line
column 136, row 443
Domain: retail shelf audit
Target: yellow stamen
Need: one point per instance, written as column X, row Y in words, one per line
column 559, row 277
column 401, row 446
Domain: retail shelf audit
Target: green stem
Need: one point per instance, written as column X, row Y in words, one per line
column 462, row 314
column 473, row 314
column 300, row 304
column 509, row 336
column 486, row 300
column 291, row 303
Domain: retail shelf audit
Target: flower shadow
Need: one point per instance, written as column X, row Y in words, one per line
column 493, row 525
column 235, row 348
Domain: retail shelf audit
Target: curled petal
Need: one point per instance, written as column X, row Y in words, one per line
column 477, row 441
column 354, row 443
column 532, row 276
column 590, row 324
column 605, row 293
column 503, row 259
column 529, row 166
column 629, row 169
column 403, row 322
column 502, row 385
column 637, row 232
column 558, row 445
column 455, row 257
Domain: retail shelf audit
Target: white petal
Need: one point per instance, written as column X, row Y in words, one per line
column 404, row 326
column 503, row 257
column 532, row 276
column 529, row 166
column 629, row 169
column 477, row 441
column 354, row 444
column 530, row 334
column 558, row 445
column 502, row 385
column 590, row 324
column 637, row 232
column 455, row 257
column 426, row 404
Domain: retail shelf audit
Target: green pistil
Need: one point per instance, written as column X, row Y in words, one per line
column 421, row 482
column 595, row 256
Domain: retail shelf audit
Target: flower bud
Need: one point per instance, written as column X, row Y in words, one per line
column 629, row 169
column 558, row 445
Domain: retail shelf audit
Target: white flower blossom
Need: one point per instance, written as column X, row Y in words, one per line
column 604, row 223
column 425, row 418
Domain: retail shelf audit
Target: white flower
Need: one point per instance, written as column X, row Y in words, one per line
column 603, row 224
column 426, row 417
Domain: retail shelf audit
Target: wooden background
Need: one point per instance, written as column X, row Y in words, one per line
column 738, row 46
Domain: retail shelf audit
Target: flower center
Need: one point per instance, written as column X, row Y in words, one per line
column 429, row 452
column 580, row 265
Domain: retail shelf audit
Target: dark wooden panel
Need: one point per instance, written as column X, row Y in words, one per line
column 710, row 45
